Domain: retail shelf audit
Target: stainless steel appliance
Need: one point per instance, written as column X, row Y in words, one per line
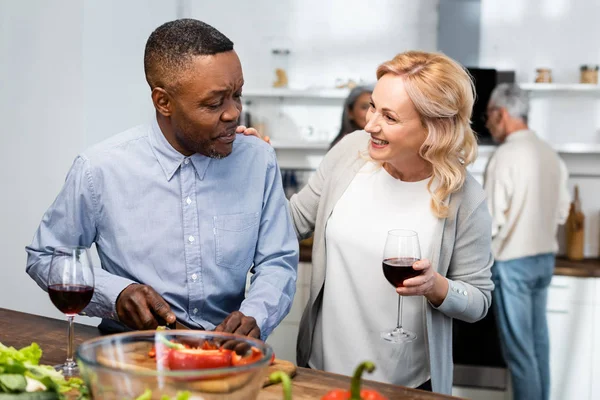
column 478, row 360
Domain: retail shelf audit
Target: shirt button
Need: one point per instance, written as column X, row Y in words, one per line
column 186, row 161
column 188, row 200
column 194, row 277
column 195, row 310
column 191, row 239
column 465, row 292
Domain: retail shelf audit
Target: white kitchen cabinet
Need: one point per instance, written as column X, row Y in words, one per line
column 596, row 343
column 570, row 315
column 571, row 337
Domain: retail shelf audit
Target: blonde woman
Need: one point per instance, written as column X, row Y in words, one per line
column 406, row 170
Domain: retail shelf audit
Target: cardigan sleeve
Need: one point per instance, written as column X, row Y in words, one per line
column 469, row 274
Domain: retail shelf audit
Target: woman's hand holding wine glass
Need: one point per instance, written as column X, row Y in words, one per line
column 428, row 283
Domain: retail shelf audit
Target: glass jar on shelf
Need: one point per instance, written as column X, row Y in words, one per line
column 543, row 75
column 280, row 60
column 589, row 74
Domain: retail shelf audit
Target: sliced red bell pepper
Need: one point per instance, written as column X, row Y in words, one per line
column 188, row 359
column 177, row 356
column 253, row 357
column 355, row 393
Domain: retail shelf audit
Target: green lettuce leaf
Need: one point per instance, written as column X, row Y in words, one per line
column 30, row 354
column 12, row 383
column 25, row 363
column 147, row 395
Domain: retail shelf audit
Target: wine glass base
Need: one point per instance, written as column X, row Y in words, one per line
column 398, row 336
column 68, row 370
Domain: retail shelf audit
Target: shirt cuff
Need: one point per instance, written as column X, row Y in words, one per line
column 261, row 319
column 457, row 299
column 106, row 292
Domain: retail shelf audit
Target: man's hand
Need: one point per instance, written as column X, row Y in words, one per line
column 140, row 307
column 252, row 132
column 237, row 322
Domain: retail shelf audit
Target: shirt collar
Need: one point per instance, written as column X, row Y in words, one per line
column 522, row 134
column 169, row 158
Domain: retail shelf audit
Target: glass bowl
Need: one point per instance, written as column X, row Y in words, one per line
column 123, row 366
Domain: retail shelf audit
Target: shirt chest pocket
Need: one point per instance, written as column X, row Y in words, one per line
column 235, row 239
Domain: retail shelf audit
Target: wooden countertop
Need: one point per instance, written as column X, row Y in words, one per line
column 587, row 268
column 20, row 329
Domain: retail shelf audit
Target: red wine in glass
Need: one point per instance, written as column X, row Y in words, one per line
column 70, row 299
column 401, row 251
column 71, row 287
column 397, row 269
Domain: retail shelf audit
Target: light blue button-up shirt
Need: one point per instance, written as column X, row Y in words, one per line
column 190, row 227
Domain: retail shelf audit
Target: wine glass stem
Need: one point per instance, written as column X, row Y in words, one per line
column 71, row 335
column 399, row 320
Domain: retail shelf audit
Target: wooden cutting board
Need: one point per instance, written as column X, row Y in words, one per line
column 280, row 365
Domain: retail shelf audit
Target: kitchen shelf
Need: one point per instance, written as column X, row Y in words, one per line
column 331, row 94
column 561, row 87
column 339, row 94
column 487, row 150
column 564, row 148
column 298, row 145
column 578, row 148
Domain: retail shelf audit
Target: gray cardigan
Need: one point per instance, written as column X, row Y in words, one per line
column 464, row 255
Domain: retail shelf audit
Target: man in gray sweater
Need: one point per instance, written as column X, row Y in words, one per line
column 525, row 182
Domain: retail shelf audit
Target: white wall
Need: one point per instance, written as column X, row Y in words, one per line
column 71, row 74
column 328, row 39
column 525, row 35
column 42, row 114
column 114, row 35
column 561, row 35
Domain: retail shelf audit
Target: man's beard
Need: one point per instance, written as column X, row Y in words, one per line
column 207, row 148
column 212, row 153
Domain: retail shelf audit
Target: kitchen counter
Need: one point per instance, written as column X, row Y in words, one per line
column 586, row 268
column 20, row 329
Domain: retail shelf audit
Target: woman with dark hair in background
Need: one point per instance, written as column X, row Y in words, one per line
column 354, row 116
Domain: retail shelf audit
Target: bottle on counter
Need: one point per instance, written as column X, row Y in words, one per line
column 574, row 229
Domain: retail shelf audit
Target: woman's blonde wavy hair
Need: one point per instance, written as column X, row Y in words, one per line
column 443, row 93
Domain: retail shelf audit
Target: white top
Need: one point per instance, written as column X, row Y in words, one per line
column 526, row 185
column 358, row 302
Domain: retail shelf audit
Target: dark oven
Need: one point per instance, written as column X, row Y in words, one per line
column 478, row 360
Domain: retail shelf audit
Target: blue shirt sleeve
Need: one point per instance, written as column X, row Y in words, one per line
column 273, row 283
column 72, row 221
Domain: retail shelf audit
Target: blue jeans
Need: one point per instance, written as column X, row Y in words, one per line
column 519, row 302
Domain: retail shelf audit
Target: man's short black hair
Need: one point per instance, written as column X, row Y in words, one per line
column 174, row 43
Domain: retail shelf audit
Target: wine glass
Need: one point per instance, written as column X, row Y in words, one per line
column 70, row 286
column 401, row 251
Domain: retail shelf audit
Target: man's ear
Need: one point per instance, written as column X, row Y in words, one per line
column 162, row 101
